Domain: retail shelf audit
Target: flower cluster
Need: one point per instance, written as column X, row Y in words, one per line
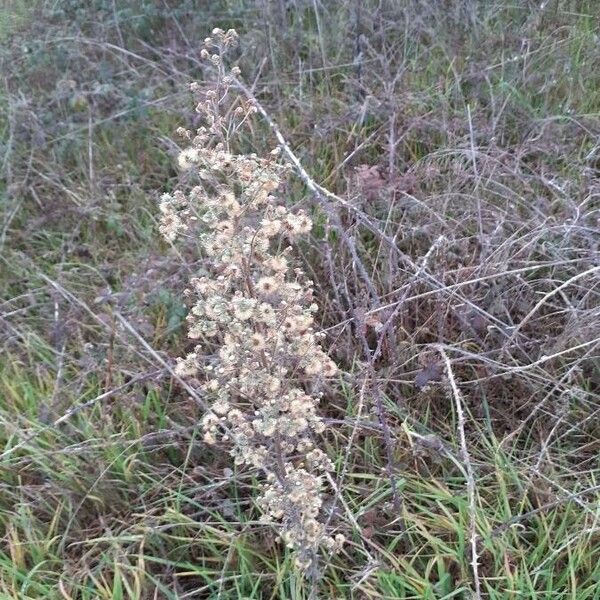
column 257, row 309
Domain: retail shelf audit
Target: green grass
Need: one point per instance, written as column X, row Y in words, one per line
column 13, row 15
column 97, row 508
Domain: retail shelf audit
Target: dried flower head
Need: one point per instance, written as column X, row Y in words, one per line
column 258, row 309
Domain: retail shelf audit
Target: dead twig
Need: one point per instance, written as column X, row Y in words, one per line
column 466, row 458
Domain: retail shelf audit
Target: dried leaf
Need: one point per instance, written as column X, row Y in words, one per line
column 431, row 372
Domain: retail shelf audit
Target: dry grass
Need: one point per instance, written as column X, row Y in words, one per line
column 448, row 153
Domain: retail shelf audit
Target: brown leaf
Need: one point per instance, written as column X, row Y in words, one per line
column 369, row 180
column 431, row 372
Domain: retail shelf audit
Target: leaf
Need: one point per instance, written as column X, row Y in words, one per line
column 432, row 372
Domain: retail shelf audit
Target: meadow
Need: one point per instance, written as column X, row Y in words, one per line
column 448, row 155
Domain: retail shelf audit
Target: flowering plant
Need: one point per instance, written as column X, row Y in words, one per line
column 257, row 307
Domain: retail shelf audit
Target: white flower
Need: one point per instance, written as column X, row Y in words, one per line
column 243, row 308
column 270, row 227
column 278, row 263
column 257, row 341
column 267, row 285
column 187, row 366
column 188, row 158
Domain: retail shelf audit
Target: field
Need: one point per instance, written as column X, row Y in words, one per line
column 448, row 154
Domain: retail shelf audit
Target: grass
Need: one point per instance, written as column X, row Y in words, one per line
column 127, row 508
column 478, row 128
